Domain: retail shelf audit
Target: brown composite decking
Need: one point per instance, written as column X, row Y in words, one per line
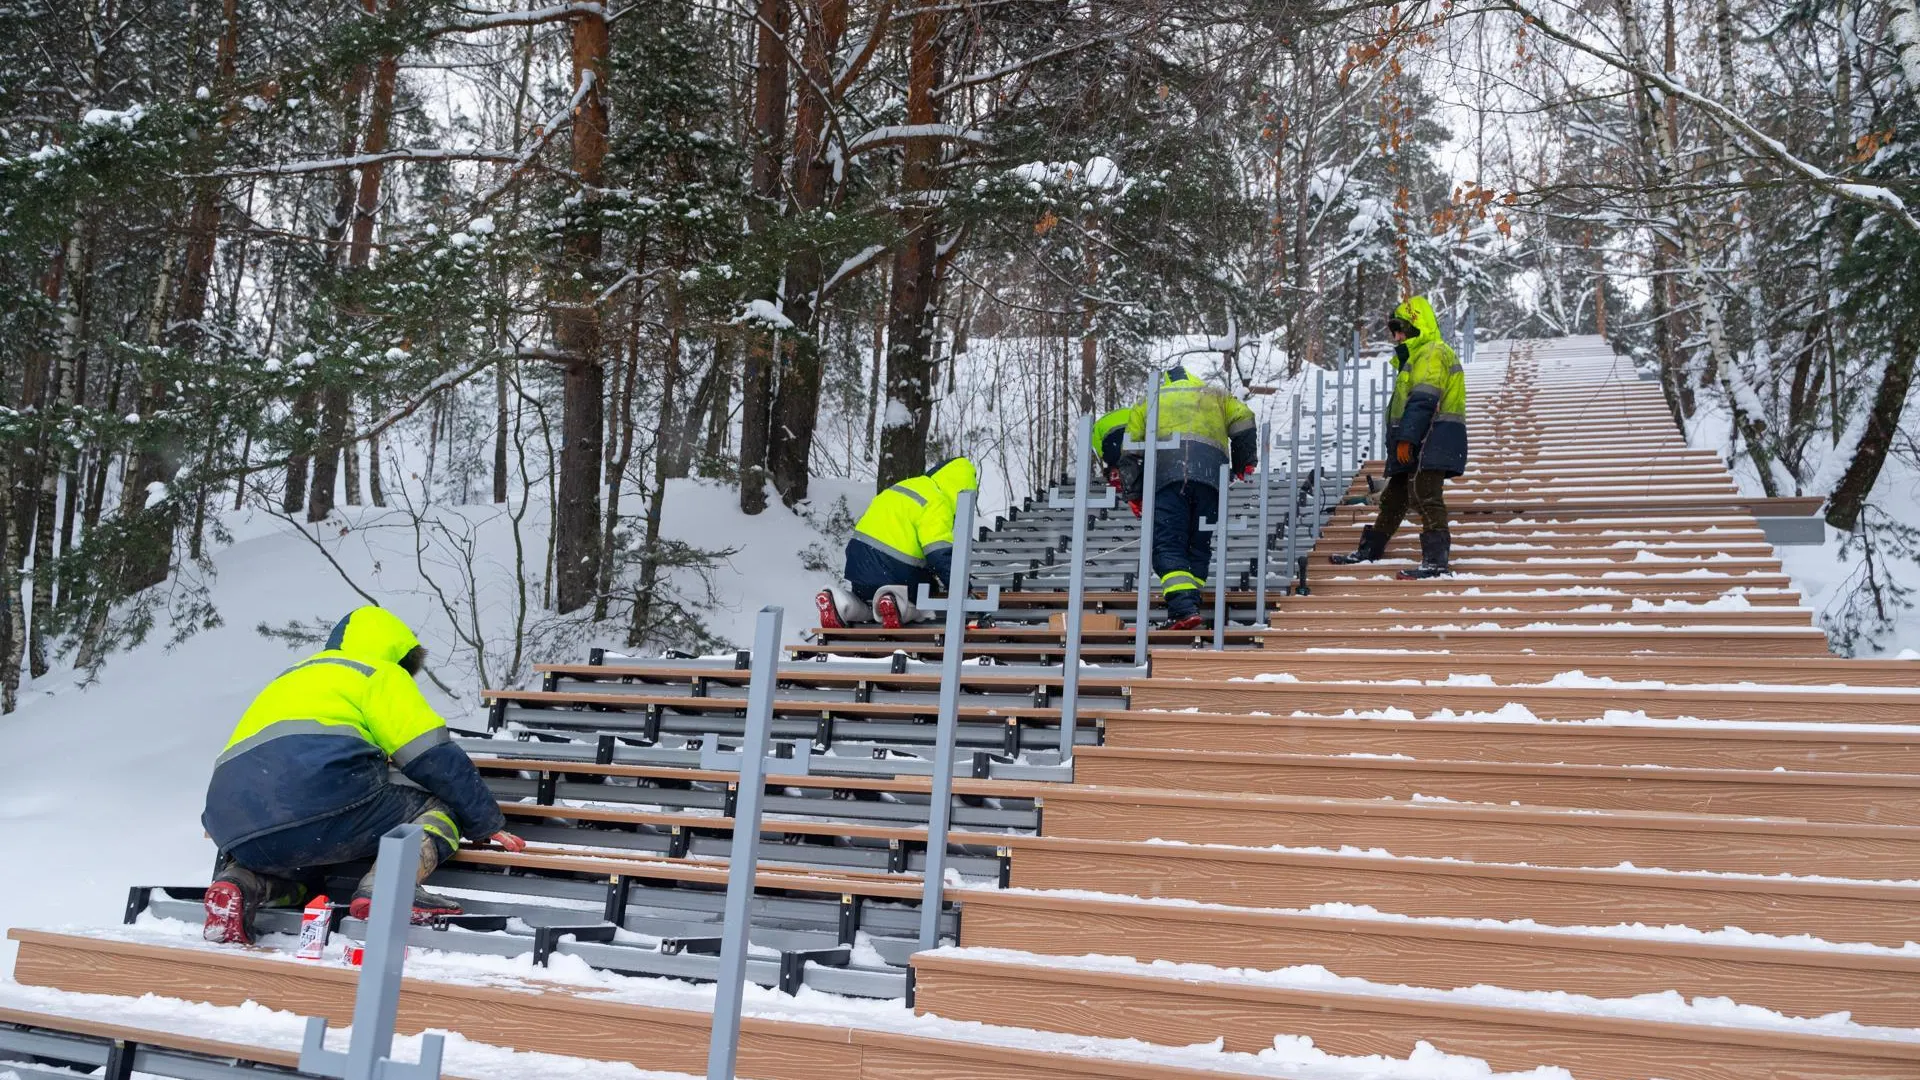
column 1734, row 775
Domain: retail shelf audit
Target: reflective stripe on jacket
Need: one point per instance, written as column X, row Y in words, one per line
column 1213, row 427
column 322, row 737
column 912, row 521
column 1429, row 404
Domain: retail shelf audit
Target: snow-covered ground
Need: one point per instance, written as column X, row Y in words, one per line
column 102, row 786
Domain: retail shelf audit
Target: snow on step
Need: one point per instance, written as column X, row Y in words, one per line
column 1665, row 1006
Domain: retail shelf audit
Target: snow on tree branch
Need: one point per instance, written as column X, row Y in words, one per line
column 1737, row 127
column 532, row 17
column 560, row 118
column 355, row 161
column 894, row 134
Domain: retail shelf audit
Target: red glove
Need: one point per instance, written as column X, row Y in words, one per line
column 1134, row 505
column 1245, row 473
column 1403, row 453
column 1113, row 479
column 509, row 841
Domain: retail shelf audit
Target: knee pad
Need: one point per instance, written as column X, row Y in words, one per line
column 441, row 830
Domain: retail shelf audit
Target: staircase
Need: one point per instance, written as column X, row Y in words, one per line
column 1601, row 801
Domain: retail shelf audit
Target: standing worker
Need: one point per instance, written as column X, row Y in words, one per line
column 330, row 757
column 1213, row 429
column 904, row 539
column 1426, row 439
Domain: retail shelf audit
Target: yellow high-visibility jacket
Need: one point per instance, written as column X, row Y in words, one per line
column 1429, row 404
column 912, row 521
column 1213, row 427
column 321, row 738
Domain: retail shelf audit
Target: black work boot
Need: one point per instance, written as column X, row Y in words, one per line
column 1434, row 544
column 1372, row 546
column 427, row 905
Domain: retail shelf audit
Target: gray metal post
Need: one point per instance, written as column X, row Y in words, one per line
column 1150, row 444
column 724, row 1043
column 1340, row 416
column 1293, row 497
column 957, row 605
column 1319, row 442
column 1222, row 528
column 1467, row 341
column 1359, row 462
column 1077, row 581
column 1386, row 408
column 1260, row 557
column 1320, row 477
column 1319, row 428
column 377, row 999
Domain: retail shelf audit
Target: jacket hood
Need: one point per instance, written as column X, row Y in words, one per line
column 957, row 476
column 1416, row 310
column 372, row 635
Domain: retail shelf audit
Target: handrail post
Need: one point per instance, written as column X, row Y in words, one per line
column 1151, row 444
column 1077, row 583
column 723, row 1044
column 957, row 605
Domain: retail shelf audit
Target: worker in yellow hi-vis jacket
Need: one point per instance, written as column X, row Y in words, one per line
column 1426, row 439
column 903, row 540
column 308, row 782
column 1213, row 429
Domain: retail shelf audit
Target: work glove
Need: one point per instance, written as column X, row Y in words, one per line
column 1245, row 473
column 509, row 841
column 1403, row 453
column 1114, row 480
column 1134, row 505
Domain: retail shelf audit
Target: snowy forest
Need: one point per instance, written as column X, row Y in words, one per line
column 470, row 261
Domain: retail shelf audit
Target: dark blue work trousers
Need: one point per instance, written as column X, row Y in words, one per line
column 348, row 836
column 1181, row 552
column 868, row 569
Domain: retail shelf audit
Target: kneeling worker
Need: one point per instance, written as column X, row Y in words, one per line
column 1426, row 439
column 905, row 539
column 306, row 781
column 1214, row 429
